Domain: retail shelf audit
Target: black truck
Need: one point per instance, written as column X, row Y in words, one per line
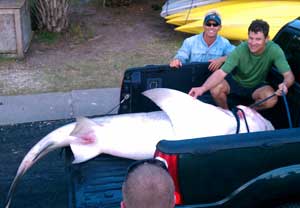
column 259, row 169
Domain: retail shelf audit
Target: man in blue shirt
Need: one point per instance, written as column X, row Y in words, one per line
column 207, row 46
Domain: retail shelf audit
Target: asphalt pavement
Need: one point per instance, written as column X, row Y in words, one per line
column 24, row 120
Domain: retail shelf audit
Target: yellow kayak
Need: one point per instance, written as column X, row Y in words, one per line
column 235, row 25
column 223, row 3
column 240, row 31
column 204, row 8
column 175, row 6
column 228, row 9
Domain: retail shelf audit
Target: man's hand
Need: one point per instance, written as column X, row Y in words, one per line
column 282, row 88
column 196, row 92
column 216, row 64
column 175, row 63
column 288, row 80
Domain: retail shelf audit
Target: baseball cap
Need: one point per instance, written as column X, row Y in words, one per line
column 212, row 16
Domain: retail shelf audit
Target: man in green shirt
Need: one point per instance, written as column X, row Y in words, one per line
column 252, row 60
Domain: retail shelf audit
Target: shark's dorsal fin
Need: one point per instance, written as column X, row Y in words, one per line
column 188, row 114
column 81, row 126
column 88, row 146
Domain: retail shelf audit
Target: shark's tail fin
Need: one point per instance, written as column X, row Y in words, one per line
column 40, row 149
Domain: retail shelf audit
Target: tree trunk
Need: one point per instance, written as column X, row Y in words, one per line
column 52, row 15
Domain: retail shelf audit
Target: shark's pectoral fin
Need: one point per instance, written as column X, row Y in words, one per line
column 84, row 153
column 87, row 145
column 188, row 115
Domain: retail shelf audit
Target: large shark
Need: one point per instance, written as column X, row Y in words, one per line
column 135, row 135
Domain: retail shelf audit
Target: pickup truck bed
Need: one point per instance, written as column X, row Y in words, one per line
column 96, row 183
column 245, row 170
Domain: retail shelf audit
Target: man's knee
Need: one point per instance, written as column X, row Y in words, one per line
column 263, row 93
column 269, row 103
column 219, row 90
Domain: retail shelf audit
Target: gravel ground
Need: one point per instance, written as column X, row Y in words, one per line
column 100, row 44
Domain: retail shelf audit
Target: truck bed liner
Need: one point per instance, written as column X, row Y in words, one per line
column 96, row 183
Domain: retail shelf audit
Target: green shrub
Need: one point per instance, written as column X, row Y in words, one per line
column 47, row 37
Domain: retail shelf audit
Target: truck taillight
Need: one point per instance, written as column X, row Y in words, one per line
column 172, row 163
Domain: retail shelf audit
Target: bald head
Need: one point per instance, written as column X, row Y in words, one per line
column 148, row 186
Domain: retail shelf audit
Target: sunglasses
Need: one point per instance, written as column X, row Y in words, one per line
column 211, row 24
column 155, row 162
